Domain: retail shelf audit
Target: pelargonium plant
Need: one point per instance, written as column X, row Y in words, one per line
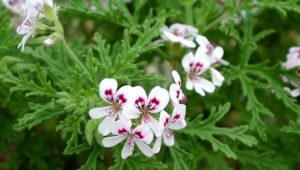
column 173, row 84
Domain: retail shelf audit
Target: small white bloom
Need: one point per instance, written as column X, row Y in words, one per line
column 175, row 122
column 179, row 33
column 141, row 136
column 195, row 67
column 48, row 42
column 27, row 30
column 35, row 8
column 15, row 6
column 144, row 106
column 175, row 91
column 116, row 100
column 293, row 58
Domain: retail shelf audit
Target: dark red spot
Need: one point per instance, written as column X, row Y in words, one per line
column 122, row 131
column 121, row 99
column 177, row 94
column 139, row 134
column 140, row 103
column 166, row 122
column 183, row 100
column 298, row 72
column 176, row 117
column 153, row 103
column 108, row 94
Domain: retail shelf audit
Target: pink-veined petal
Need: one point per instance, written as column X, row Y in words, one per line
column 178, row 112
column 107, row 89
column 157, row 145
column 113, row 140
column 120, row 127
column 174, row 93
column 105, row 126
column 187, row 59
column 176, row 77
column 124, row 95
column 99, row 112
column 140, row 98
column 127, row 148
column 158, row 99
column 217, row 77
column 145, row 149
column 143, row 133
column 164, row 118
column 168, row 137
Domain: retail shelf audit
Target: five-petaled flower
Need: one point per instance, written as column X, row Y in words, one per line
column 116, row 100
column 179, row 33
column 170, row 123
column 195, row 66
column 141, row 136
column 144, row 106
column 175, row 91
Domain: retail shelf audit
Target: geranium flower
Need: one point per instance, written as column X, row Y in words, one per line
column 144, row 106
column 116, row 100
column 170, row 123
column 215, row 55
column 179, row 33
column 15, row 6
column 141, row 136
column 195, row 66
column 35, row 8
column 293, row 58
column 27, row 30
column 175, row 91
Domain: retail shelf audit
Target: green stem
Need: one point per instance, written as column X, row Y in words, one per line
column 215, row 22
column 189, row 14
column 73, row 56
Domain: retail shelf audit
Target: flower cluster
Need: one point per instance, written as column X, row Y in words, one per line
column 135, row 117
column 32, row 12
column 293, row 61
column 205, row 57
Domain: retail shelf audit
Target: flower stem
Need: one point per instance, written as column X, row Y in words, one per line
column 73, row 57
column 189, row 14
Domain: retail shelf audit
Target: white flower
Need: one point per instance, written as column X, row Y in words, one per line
column 214, row 54
column 175, row 91
column 175, row 122
column 15, row 6
column 27, row 30
column 295, row 92
column 195, row 66
column 116, row 100
column 35, row 8
column 144, row 106
column 179, row 33
column 141, row 136
column 293, row 58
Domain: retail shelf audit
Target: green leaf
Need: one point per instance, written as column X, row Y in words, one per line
column 90, row 130
column 294, row 127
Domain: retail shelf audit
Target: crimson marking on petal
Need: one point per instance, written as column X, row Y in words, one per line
column 177, row 94
column 108, row 95
column 183, row 100
column 146, row 118
column 195, row 67
column 139, row 134
column 129, row 143
column 166, row 122
column 176, row 117
column 122, row 131
column 140, row 103
column 121, row 99
column 153, row 103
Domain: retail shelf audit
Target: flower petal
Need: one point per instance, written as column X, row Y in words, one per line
column 124, row 95
column 113, row 140
column 189, row 84
column 130, row 112
column 99, row 112
column 105, row 126
column 174, row 93
column 120, row 127
column 158, row 99
column 157, row 145
column 205, row 85
column 145, row 149
column 187, row 59
column 217, row 77
column 217, row 53
column 143, row 133
column 295, row 92
column 164, row 118
column 107, row 89
column 140, row 98
column 127, row 148
column 168, row 137
column 176, row 77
